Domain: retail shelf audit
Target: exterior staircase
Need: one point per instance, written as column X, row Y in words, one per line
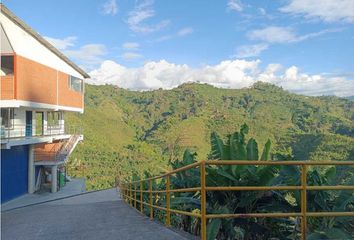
column 67, row 148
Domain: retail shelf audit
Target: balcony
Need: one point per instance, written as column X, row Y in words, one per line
column 30, row 134
column 55, row 153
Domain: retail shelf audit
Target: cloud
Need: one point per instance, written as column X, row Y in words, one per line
column 131, row 46
column 89, row 56
column 131, row 56
column 181, row 33
column 62, row 44
column 313, row 85
column 274, row 34
column 142, row 12
column 235, row 5
column 262, row 11
column 185, row 31
column 226, row 74
column 325, row 10
column 164, row 38
column 246, row 51
column 316, row 34
column 110, row 7
column 152, row 75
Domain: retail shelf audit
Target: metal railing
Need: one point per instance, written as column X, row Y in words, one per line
column 129, row 192
column 30, row 130
column 59, row 154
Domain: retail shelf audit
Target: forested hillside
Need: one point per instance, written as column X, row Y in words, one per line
column 127, row 131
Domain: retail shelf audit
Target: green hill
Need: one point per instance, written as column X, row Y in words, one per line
column 128, row 131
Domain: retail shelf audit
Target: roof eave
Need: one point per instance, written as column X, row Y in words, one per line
column 40, row 39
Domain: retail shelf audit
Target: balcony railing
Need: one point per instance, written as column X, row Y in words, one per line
column 30, row 130
column 58, row 153
column 134, row 193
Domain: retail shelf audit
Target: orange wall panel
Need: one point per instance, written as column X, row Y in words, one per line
column 7, row 87
column 36, row 82
column 45, row 151
column 67, row 96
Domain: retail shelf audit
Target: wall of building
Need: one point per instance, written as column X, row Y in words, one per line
column 19, row 124
column 27, row 46
column 7, row 86
column 14, row 172
column 39, row 83
column 48, row 130
column 67, row 96
column 46, row 151
column 35, row 82
column 41, row 76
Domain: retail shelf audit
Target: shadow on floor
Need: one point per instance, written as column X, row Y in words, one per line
column 96, row 215
column 74, row 187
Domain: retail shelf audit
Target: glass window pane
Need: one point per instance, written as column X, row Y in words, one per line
column 7, row 65
column 53, row 118
column 75, row 84
column 7, row 117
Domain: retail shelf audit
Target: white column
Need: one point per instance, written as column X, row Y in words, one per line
column 31, row 169
column 45, row 123
column 34, row 123
column 54, row 178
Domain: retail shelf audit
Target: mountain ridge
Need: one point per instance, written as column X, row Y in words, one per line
column 131, row 131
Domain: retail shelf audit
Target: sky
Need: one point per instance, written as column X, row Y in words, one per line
column 304, row 46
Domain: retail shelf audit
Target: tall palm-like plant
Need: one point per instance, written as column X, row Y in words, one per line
column 319, row 201
column 237, row 148
column 187, row 201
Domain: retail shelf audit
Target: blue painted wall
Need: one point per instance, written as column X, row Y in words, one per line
column 14, row 172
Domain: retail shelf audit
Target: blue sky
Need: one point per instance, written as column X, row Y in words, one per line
column 306, row 46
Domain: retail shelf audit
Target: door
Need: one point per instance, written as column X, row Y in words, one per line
column 14, row 172
column 39, row 123
column 28, row 123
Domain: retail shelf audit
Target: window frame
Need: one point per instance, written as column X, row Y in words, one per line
column 12, row 61
column 70, row 80
column 10, row 119
column 50, row 125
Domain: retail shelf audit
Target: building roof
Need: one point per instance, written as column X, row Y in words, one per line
column 40, row 39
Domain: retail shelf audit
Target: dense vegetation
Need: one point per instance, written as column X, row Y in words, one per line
column 127, row 131
column 237, row 147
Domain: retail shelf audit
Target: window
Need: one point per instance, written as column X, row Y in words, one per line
column 76, row 84
column 7, row 117
column 7, row 65
column 53, row 119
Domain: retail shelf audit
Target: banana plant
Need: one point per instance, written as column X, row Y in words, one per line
column 236, row 147
column 188, row 201
column 319, row 201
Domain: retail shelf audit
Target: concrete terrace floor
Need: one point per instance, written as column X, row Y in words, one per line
column 96, row 215
column 74, row 187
